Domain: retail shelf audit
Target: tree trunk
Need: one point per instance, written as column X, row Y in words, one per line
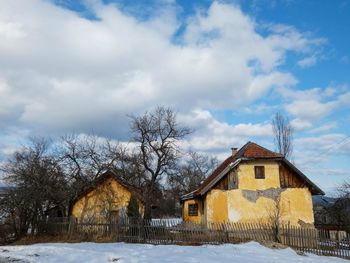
column 148, row 211
column 148, row 203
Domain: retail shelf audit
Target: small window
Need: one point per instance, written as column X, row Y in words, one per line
column 193, row 209
column 232, row 181
column 259, row 172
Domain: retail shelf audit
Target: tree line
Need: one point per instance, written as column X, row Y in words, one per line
column 48, row 173
column 52, row 172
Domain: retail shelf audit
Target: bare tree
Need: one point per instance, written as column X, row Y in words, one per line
column 283, row 134
column 344, row 190
column 37, row 184
column 339, row 212
column 192, row 172
column 130, row 168
column 157, row 133
column 275, row 217
column 84, row 158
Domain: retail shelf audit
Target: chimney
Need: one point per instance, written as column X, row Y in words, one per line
column 234, row 151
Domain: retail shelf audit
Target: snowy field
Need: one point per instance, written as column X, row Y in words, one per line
column 120, row 252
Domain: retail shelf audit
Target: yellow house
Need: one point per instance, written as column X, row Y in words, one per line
column 253, row 185
column 106, row 200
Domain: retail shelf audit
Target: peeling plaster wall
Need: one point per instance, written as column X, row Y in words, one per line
column 253, row 196
column 223, row 206
column 297, row 203
column 256, row 199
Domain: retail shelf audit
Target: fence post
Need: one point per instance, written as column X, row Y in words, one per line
column 71, row 225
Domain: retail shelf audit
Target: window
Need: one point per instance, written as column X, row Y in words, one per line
column 232, row 180
column 193, row 209
column 259, row 172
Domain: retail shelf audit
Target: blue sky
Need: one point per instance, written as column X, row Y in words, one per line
column 225, row 66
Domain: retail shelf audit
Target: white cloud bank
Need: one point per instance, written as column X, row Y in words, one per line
column 308, row 107
column 59, row 71
column 212, row 135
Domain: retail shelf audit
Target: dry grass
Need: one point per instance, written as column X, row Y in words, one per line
column 62, row 238
column 272, row 245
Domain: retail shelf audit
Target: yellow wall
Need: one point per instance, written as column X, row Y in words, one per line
column 246, row 204
column 216, row 206
column 297, row 202
column 98, row 203
column 187, row 217
column 246, row 176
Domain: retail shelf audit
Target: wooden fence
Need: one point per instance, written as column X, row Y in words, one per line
column 308, row 240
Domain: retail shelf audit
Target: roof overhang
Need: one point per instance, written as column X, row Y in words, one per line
column 315, row 190
column 220, row 176
column 203, row 191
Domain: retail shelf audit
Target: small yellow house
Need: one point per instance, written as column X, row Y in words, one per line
column 106, row 200
column 253, row 185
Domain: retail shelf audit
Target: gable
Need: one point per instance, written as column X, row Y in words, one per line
column 243, row 176
column 281, row 175
column 102, row 181
column 251, row 151
column 314, row 189
column 289, row 178
column 106, row 192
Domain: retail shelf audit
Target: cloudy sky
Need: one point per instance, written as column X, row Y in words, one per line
column 226, row 67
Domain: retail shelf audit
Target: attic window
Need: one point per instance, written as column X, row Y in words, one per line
column 193, row 209
column 259, row 172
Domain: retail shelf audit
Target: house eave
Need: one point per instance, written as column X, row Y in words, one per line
column 188, row 196
column 315, row 190
column 220, row 176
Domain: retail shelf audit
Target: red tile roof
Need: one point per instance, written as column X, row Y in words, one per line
column 253, row 150
column 249, row 151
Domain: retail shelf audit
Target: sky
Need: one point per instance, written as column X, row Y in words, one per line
column 225, row 67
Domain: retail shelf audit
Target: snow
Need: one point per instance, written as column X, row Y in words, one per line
column 169, row 222
column 251, row 252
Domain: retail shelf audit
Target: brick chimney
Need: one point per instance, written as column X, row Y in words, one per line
column 234, row 151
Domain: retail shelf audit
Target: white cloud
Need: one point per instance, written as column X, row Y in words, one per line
column 11, row 140
column 323, row 158
column 344, row 59
column 60, row 71
column 11, row 30
column 310, row 109
column 258, row 109
column 212, row 135
column 319, row 148
column 299, row 124
column 307, row 62
column 310, row 106
column 323, row 128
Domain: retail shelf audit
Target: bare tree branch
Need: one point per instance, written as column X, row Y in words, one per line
column 283, row 135
column 157, row 134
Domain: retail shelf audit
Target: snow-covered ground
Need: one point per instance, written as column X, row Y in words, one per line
column 120, row 252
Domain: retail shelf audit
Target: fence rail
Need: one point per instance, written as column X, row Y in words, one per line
column 309, row 240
